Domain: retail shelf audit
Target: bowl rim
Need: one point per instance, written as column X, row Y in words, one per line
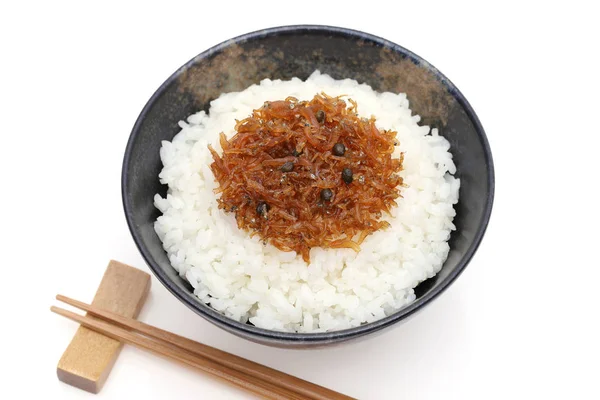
column 297, row 337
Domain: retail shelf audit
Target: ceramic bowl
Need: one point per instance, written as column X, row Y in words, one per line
column 296, row 51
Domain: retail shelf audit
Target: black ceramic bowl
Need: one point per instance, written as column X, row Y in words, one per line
column 296, row 51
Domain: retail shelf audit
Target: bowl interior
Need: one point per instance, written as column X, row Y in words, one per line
column 283, row 53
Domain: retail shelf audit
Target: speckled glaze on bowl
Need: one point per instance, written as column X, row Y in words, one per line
column 296, row 51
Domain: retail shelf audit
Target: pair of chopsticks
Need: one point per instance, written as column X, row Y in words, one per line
column 256, row 378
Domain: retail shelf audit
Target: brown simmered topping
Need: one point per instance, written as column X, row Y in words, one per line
column 288, row 174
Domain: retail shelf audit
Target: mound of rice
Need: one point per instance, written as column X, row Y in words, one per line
column 248, row 281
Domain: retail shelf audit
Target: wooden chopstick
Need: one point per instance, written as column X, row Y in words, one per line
column 259, row 387
column 297, row 386
column 305, row 388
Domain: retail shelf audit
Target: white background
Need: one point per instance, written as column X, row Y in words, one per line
column 521, row 322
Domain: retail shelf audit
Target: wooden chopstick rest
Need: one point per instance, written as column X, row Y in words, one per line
column 88, row 360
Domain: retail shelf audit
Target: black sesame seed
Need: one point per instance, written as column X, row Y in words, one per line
column 338, row 149
column 320, row 116
column 326, row 194
column 347, row 175
column 287, row 167
column 262, row 208
column 233, row 208
column 296, row 153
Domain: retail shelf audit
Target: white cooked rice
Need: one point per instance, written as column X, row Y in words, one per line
column 245, row 280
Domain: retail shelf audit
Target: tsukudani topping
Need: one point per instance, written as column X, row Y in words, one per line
column 287, row 174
